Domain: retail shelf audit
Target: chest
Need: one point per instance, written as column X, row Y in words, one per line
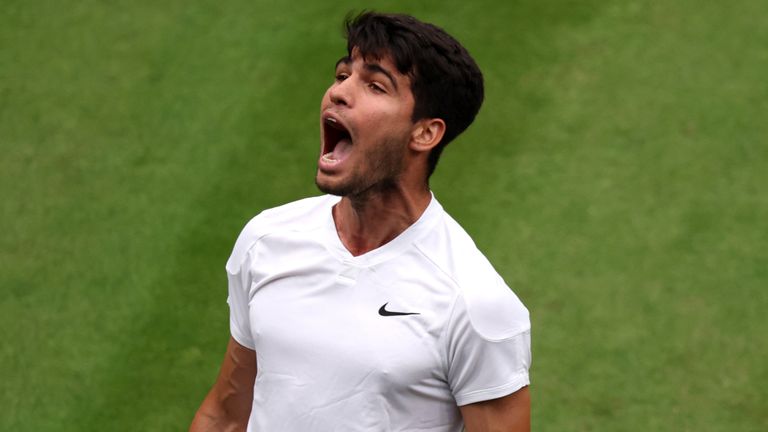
column 325, row 322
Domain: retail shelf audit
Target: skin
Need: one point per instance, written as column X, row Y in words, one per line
column 228, row 403
column 510, row 413
column 385, row 175
column 384, row 189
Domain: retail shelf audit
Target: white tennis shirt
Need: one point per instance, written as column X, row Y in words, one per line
column 392, row 340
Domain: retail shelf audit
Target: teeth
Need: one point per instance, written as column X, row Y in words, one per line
column 328, row 157
column 330, row 120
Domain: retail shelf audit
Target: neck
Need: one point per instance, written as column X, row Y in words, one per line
column 372, row 220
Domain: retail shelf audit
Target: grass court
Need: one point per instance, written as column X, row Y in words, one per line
column 616, row 177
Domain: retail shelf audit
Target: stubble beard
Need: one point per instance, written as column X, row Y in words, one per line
column 384, row 165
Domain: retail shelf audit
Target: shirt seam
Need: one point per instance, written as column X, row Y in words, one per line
column 460, row 293
column 444, row 342
column 263, row 235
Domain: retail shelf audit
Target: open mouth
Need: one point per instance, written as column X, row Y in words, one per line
column 337, row 141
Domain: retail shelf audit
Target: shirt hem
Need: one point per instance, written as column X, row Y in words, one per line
column 242, row 341
column 519, row 382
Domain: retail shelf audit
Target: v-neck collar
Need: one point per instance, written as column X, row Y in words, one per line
column 386, row 251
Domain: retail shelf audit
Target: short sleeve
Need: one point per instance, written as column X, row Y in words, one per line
column 239, row 284
column 239, row 321
column 489, row 349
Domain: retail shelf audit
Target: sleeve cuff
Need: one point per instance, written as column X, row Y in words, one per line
column 241, row 339
column 519, row 381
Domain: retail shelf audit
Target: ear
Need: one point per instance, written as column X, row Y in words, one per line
column 426, row 134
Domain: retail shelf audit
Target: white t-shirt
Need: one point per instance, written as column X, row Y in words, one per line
column 392, row 340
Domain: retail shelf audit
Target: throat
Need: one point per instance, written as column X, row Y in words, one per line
column 363, row 227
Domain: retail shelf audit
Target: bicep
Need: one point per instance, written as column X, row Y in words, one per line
column 238, row 372
column 230, row 399
column 511, row 413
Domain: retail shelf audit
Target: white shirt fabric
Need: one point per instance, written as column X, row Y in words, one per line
column 327, row 360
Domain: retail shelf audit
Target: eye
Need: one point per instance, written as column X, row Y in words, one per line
column 376, row 87
column 341, row 76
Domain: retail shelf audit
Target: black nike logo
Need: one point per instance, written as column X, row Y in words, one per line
column 384, row 312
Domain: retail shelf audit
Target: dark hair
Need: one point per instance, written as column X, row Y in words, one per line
column 445, row 81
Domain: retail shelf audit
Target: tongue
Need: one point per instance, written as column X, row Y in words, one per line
column 342, row 149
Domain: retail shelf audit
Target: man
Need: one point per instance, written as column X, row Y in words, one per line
column 374, row 311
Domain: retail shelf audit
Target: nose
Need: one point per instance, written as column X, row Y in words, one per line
column 340, row 93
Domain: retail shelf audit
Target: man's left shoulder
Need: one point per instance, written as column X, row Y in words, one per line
column 493, row 308
column 451, row 248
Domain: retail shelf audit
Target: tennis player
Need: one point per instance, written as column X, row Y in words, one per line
column 369, row 308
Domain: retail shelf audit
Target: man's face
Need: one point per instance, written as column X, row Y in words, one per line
column 365, row 121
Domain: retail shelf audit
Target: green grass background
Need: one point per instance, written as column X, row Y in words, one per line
column 616, row 177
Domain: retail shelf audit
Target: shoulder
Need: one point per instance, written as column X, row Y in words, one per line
column 483, row 299
column 293, row 214
column 492, row 309
column 304, row 214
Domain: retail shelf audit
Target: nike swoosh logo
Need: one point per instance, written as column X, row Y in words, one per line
column 384, row 312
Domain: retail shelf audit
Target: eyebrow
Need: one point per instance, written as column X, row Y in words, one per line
column 372, row 68
column 376, row 68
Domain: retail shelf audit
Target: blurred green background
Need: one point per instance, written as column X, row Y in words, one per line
column 616, row 177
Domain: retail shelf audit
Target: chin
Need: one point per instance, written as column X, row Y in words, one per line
column 328, row 187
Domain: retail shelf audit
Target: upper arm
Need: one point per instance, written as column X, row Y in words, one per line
column 238, row 372
column 229, row 401
column 511, row 413
column 487, row 360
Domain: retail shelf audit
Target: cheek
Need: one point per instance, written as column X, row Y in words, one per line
column 393, row 115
